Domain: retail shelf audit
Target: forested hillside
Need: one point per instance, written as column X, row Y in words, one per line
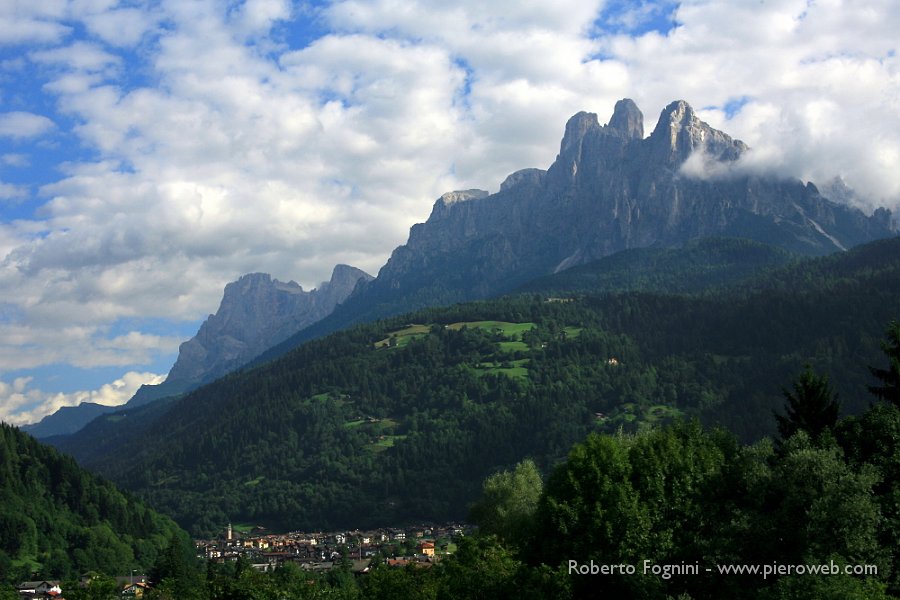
column 679, row 511
column 59, row 521
column 401, row 420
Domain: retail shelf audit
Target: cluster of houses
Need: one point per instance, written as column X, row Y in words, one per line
column 132, row 586
column 313, row 551
column 320, row 551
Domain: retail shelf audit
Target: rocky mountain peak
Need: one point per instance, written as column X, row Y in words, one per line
column 257, row 312
column 523, row 177
column 680, row 132
column 576, row 128
column 254, row 281
column 627, row 120
column 608, row 190
column 443, row 204
column 343, row 275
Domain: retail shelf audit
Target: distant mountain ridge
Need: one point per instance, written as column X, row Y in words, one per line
column 609, row 189
column 67, row 420
column 256, row 312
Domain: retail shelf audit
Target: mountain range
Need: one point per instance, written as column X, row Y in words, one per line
column 609, row 189
column 615, row 212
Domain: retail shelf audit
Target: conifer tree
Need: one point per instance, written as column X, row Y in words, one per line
column 890, row 377
column 811, row 406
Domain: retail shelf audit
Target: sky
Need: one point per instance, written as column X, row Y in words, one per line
column 152, row 151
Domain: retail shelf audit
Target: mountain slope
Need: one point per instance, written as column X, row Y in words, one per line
column 401, row 419
column 61, row 521
column 67, row 420
column 698, row 266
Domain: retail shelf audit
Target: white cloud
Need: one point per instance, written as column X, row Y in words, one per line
column 242, row 154
column 121, row 26
column 822, row 82
column 21, row 404
column 49, row 339
column 9, row 191
column 15, row 160
column 19, row 124
column 23, row 21
column 80, row 56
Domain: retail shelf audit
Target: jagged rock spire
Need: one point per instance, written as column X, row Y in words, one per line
column 627, row 120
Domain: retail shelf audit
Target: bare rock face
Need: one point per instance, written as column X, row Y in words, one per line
column 627, row 120
column 608, row 190
column 256, row 312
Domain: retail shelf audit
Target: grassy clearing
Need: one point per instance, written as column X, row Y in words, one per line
column 572, row 332
column 509, row 330
column 167, row 480
column 516, row 370
column 375, row 425
column 661, row 413
column 402, row 337
column 512, row 331
column 254, row 482
column 384, row 442
column 511, row 347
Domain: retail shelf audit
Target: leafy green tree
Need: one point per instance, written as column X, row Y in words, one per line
column 830, row 587
column 99, row 587
column 889, row 389
column 508, row 503
column 8, row 592
column 811, row 406
column 820, row 507
column 591, row 511
column 482, row 567
column 873, row 440
column 407, row 583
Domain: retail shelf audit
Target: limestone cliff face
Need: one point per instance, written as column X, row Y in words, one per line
column 256, row 313
column 610, row 189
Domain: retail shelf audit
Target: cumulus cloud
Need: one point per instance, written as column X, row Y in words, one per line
column 233, row 151
column 818, row 83
column 19, row 124
column 30, row 22
column 9, row 191
column 15, row 160
column 21, row 403
column 49, row 339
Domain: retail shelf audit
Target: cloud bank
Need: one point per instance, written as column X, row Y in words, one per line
column 200, row 141
column 20, row 403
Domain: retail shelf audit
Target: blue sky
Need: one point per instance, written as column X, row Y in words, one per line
column 151, row 151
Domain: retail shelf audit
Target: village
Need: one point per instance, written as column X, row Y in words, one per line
column 321, row 551
column 316, row 552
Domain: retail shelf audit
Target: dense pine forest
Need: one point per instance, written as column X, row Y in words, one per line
column 401, row 420
column 59, row 521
